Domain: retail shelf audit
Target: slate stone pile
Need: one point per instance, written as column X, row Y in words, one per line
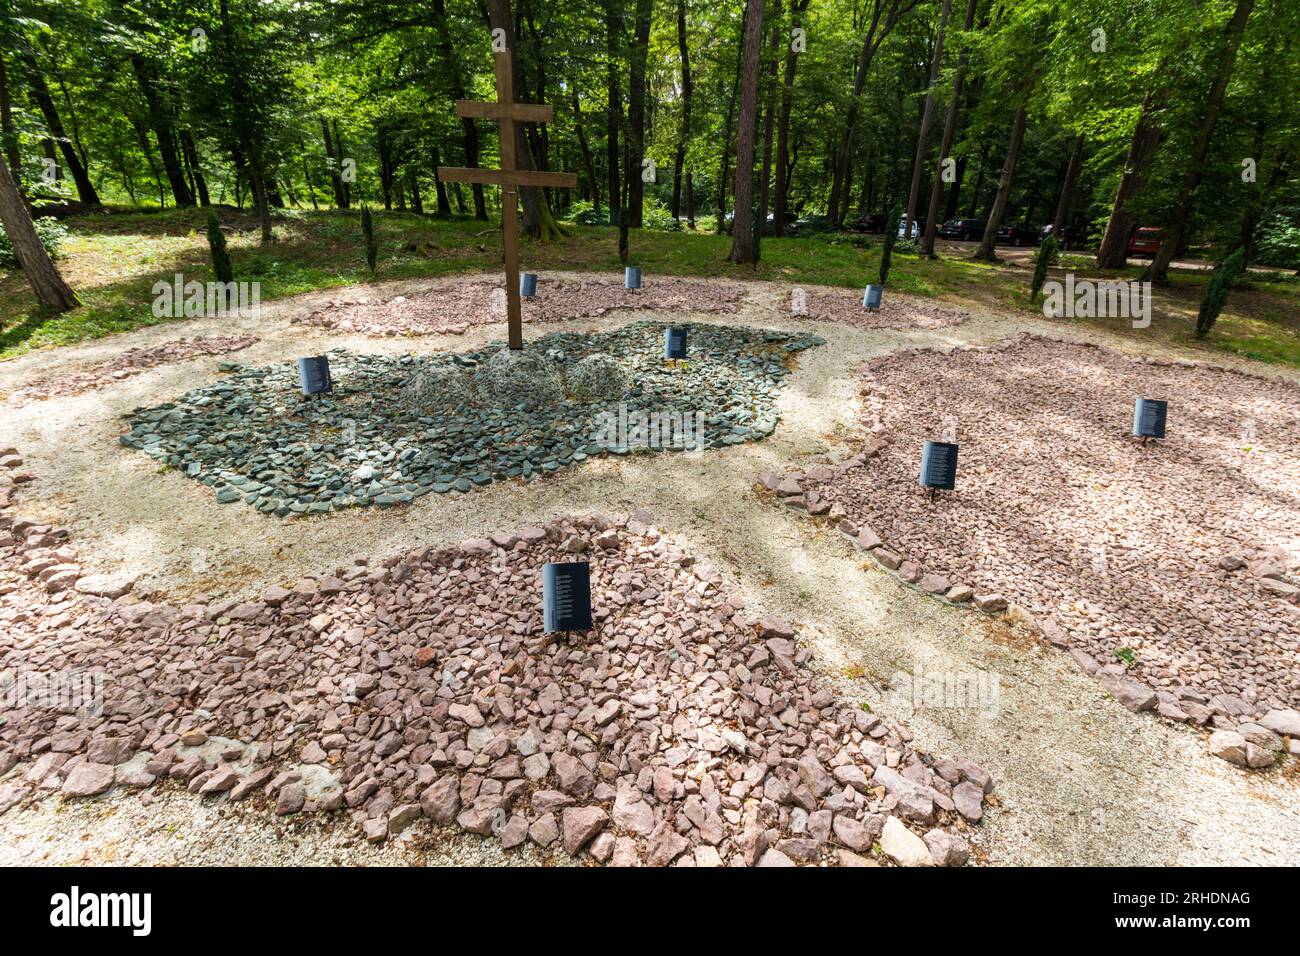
column 129, row 363
column 684, row 729
column 395, row 429
column 456, row 305
column 1169, row 570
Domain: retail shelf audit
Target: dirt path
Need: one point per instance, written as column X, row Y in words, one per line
column 1081, row 780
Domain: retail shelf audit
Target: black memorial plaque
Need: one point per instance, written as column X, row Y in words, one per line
column 315, row 375
column 1149, row 416
column 674, row 343
column 566, row 597
column 939, row 465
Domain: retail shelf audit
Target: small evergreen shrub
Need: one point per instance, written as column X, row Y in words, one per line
column 368, row 233
column 221, row 266
column 1216, row 293
column 1045, row 256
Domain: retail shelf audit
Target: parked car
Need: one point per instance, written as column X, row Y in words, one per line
column 816, row 224
column 1146, row 242
column 918, row 229
column 874, row 222
column 963, row 230
column 1018, row 234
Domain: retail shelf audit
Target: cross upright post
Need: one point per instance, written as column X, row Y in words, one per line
column 509, row 177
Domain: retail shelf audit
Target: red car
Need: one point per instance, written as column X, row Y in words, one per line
column 1146, row 242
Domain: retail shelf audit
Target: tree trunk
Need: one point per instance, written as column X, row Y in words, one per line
column 690, row 201
column 192, row 155
column 614, row 109
column 721, row 205
column 336, row 178
column 1147, row 135
column 1177, row 225
column 742, row 235
column 769, row 122
column 949, row 130
column 249, row 159
column 1067, row 187
column 161, row 124
column 636, row 113
column 782, row 201
column 588, row 164
column 45, row 103
column 383, row 146
column 469, row 132
column 345, row 185
column 50, row 289
column 914, row 194
column 537, row 220
column 684, row 133
column 986, row 249
column 306, row 176
column 8, row 135
column 875, row 36
column 614, row 104
column 440, row 188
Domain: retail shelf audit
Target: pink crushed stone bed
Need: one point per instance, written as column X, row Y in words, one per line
column 684, row 729
column 131, row 362
column 1185, row 551
column 896, row 311
column 460, row 304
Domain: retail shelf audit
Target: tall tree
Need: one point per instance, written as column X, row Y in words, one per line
column 1176, row 227
column 999, row 210
column 914, row 194
column 45, row 103
column 456, row 86
column 1067, row 187
column 885, row 16
column 636, row 113
column 614, row 100
column 8, row 135
column 537, row 220
column 769, row 122
column 742, row 225
column 949, row 130
column 684, row 129
column 782, row 201
column 44, row 278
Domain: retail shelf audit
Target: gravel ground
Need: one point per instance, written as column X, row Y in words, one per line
column 425, row 687
column 174, row 828
column 1080, row 779
column 395, row 428
column 896, row 311
column 1176, row 552
column 454, row 305
column 131, row 362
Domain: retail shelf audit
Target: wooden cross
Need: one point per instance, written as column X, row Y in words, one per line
column 507, row 112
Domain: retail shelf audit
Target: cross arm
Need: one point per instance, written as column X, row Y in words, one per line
column 519, row 112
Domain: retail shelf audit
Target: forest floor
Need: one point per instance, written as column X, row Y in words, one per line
column 114, row 259
column 1080, row 780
